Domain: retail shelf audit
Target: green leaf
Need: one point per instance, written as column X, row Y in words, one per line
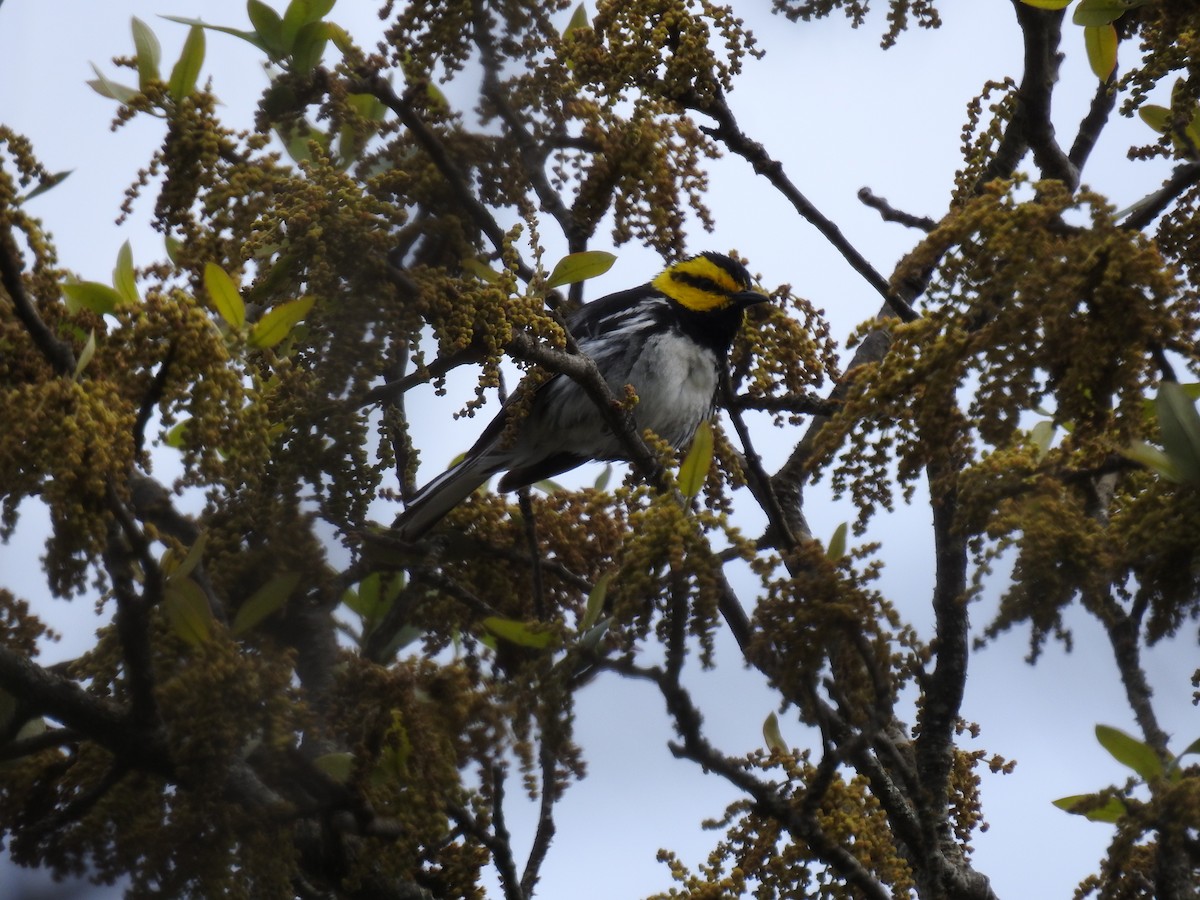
column 309, row 47
column 149, row 53
column 1129, row 751
column 368, row 106
column 1042, row 436
column 1099, row 12
column 1157, row 117
column 85, row 355
column 516, row 632
column 396, row 750
column 187, row 70
column 177, row 435
column 248, row 36
column 296, row 140
column 1179, row 423
column 267, row 599
column 340, row 37
column 1193, row 747
column 31, row 729
column 298, row 14
column 47, row 183
column 105, row 88
column 364, row 602
column 278, row 322
column 546, row 486
column 1101, row 44
column 437, row 98
column 224, row 295
column 603, row 478
column 578, row 266
column 187, row 611
column 1153, row 459
column 269, row 27
column 773, row 736
column 579, row 19
column 338, row 766
column 194, row 555
column 123, row 277
column 837, row 543
column 173, row 246
column 1048, row 4
column 595, row 602
column 694, row 468
column 1090, row 807
column 481, row 270
column 99, row 298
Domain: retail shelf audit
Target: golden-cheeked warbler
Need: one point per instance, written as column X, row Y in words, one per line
column 669, row 339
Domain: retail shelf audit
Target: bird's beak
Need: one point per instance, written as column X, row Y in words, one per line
column 749, row 298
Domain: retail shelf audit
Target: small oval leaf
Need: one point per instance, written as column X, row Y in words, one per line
column 267, row 599
column 338, row 766
column 1101, row 44
column 148, row 52
column 1153, row 459
column 194, row 555
column 187, row 611
column 579, row 266
column 85, row 355
column 268, row 25
column 309, row 47
column 224, row 295
column 694, row 469
column 1179, row 423
column 1157, row 117
column 105, row 88
column 1091, row 807
column 187, row 69
column 595, row 602
column 773, row 736
column 47, row 183
column 1099, row 12
column 579, row 19
column 99, row 298
column 278, row 322
column 837, row 543
column 123, row 277
column 516, row 632
column 1129, row 751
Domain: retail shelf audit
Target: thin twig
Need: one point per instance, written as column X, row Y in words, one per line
column 890, row 214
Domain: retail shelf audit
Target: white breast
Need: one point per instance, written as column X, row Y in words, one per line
column 676, row 381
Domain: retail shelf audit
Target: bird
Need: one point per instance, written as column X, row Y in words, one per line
column 669, row 339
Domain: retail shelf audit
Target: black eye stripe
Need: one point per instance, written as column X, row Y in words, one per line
column 700, row 283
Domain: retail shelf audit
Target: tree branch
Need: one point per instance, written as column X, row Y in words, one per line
column 767, row 798
column 890, row 214
column 1148, row 208
column 1042, row 32
column 94, row 717
column 428, row 140
column 58, row 353
column 1093, row 123
column 728, row 133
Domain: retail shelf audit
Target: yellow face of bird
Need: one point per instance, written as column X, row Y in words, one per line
column 706, row 282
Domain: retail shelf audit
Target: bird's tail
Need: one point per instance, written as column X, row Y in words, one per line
column 440, row 496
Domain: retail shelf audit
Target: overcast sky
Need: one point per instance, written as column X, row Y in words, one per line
column 839, row 114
